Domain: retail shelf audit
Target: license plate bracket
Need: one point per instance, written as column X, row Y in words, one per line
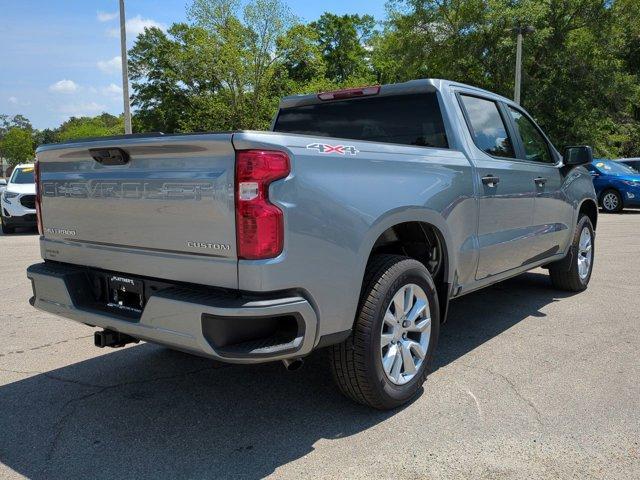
column 126, row 293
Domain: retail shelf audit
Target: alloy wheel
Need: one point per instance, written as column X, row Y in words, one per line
column 405, row 334
column 585, row 253
column 610, row 201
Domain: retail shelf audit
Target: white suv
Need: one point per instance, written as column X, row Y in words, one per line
column 18, row 201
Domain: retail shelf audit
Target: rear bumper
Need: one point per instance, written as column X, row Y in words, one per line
column 229, row 328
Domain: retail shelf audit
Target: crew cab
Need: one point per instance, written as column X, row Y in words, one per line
column 350, row 225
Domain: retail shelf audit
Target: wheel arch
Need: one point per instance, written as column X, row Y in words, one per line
column 589, row 208
column 415, row 235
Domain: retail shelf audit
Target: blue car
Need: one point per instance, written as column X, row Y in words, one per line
column 617, row 185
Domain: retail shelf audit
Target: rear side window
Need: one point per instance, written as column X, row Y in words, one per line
column 487, row 127
column 634, row 165
column 404, row 119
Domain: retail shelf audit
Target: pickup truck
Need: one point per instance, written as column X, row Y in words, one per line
column 350, row 225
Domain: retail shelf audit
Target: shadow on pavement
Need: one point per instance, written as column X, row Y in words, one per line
column 148, row 412
column 478, row 317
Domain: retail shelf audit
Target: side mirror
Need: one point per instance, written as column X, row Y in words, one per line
column 578, row 155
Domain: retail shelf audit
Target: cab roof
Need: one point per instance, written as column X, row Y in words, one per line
column 412, row 86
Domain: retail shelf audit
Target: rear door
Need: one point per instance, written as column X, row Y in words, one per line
column 505, row 195
column 553, row 211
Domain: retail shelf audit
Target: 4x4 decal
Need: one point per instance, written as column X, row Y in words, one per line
column 339, row 149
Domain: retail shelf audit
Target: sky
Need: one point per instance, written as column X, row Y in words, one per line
column 61, row 58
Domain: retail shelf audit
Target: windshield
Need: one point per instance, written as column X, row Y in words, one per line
column 22, row 175
column 614, row 168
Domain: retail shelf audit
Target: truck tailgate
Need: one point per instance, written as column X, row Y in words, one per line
column 143, row 205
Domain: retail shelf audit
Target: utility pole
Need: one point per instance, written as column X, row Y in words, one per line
column 125, row 71
column 516, row 93
column 520, row 31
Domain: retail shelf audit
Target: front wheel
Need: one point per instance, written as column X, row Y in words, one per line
column 574, row 271
column 387, row 358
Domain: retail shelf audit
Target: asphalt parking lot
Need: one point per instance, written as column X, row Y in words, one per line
column 530, row 383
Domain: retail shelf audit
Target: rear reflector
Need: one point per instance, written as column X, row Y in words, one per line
column 350, row 93
column 259, row 223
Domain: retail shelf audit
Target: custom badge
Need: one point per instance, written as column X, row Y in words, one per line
column 338, row 149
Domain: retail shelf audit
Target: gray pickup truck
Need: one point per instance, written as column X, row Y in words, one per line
column 350, row 225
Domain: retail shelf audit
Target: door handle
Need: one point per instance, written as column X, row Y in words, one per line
column 490, row 180
column 540, row 181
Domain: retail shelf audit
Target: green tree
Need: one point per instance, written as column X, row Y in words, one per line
column 48, row 135
column 7, row 122
column 575, row 81
column 626, row 14
column 227, row 69
column 168, row 72
column 245, row 56
column 88, row 127
column 301, row 55
column 17, row 146
column 344, row 41
column 222, row 72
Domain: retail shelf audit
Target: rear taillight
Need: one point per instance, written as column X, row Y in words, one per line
column 36, row 175
column 259, row 223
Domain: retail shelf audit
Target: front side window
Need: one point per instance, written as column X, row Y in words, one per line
column 487, row 127
column 535, row 146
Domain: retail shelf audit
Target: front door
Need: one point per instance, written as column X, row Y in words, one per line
column 553, row 211
column 505, row 189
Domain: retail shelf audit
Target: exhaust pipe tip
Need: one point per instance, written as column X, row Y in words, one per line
column 293, row 364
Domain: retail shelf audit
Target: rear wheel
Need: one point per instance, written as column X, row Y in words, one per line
column 611, row 201
column 574, row 271
column 387, row 358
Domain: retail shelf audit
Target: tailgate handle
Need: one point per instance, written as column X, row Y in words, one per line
column 109, row 156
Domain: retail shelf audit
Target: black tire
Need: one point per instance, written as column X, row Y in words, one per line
column 356, row 362
column 618, row 201
column 6, row 228
column 564, row 274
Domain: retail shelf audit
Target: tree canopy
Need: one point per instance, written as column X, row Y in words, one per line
column 228, row 66
column 18, row 139
column 578, row 65
column 17, row 146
